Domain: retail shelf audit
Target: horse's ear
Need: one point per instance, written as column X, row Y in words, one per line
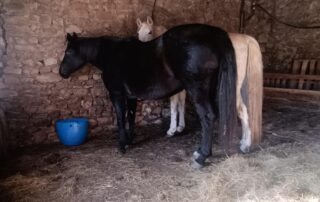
column 69, row 37
column 149, row 21
column 74, row 35
column 139, row 23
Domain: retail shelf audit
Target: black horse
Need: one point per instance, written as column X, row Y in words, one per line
column 195, row 57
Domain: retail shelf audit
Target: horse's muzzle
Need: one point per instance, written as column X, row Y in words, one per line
column 63, row 74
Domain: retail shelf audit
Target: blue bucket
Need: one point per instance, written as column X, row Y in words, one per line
column 72, row 132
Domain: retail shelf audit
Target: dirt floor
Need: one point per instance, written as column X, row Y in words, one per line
column 285, row 167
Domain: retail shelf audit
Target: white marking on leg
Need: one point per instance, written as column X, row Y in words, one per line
column 195, row 155
column 173, row 119
column 195, row 164
column 245, row 142
column 181, row 110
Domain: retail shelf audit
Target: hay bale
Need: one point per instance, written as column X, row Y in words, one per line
column 3, row 134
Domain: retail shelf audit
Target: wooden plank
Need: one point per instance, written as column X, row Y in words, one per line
column 277, row 82
column 317, row 84
column 291, row 76
column 271, row 82
column 303, row 72
column 291, row 91
column 312, row 68
column 318, row 68
column 266, row 82
column 294, row 70
column 283, row 83
column 295, row 94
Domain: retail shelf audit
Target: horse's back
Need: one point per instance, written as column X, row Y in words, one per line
column 194, row 31
column 195, row 48
column 242, row 40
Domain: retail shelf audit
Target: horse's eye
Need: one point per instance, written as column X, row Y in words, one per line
column 150, row 32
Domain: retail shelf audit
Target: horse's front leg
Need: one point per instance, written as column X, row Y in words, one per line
column 131, row 114
column 119, row 103
column 173, row 115
column 181, row 110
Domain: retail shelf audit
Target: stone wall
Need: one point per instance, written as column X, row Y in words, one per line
column 280, row 43
column 32, row 41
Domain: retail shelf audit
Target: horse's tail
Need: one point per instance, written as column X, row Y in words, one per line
column 226, row 95
column 255, row 89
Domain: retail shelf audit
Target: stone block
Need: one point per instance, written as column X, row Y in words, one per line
column 12, row 70
column 79, row 10
column 93, row 123
column 157, row 110
column 96, row 76
column 98, row 92
column 55, row 70
column 86, row 104
column 3, row 86
column 105, row 120
column 50, row 61
column 73, row 28
column 33, row 40
column 80, row 91
column 48, row 78
column 83, row 77
column 31, row 71
column 39, row 137
column 11, row 79
column 6, row 93
column 45, row 69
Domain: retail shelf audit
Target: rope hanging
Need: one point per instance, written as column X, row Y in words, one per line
column 254, row 5
column 285, row 23
column 153, row 9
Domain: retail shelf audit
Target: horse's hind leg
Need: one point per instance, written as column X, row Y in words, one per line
column 173, row 112
column 181, row 110
column 203, row 106
column 131, row 114
column 241, row 56
column 245, row 142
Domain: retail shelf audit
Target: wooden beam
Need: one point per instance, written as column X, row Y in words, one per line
column 307, row 96
column 291, row 76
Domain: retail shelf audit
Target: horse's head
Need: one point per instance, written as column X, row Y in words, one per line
column 72, row 60
column 145, row 29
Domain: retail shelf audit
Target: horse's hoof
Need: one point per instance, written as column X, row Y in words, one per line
column 130, row 139
column 180, row 129
column 122, row 150
column 196, row 165
column 196, row 154
column 123, row 147
column 170, row 133
column 198, row 160
column 244, row 148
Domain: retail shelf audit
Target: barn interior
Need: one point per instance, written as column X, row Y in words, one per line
column 35, row 166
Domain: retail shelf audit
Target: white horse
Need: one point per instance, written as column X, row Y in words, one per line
column 146, row 32
column 249, row 85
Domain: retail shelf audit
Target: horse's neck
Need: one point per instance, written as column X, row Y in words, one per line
column 96, row 49
column 110, row 48
column 90, row 49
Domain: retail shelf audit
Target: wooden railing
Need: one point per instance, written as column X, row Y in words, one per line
column 303, row 78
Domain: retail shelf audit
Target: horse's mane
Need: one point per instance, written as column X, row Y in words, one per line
column 116, row 38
